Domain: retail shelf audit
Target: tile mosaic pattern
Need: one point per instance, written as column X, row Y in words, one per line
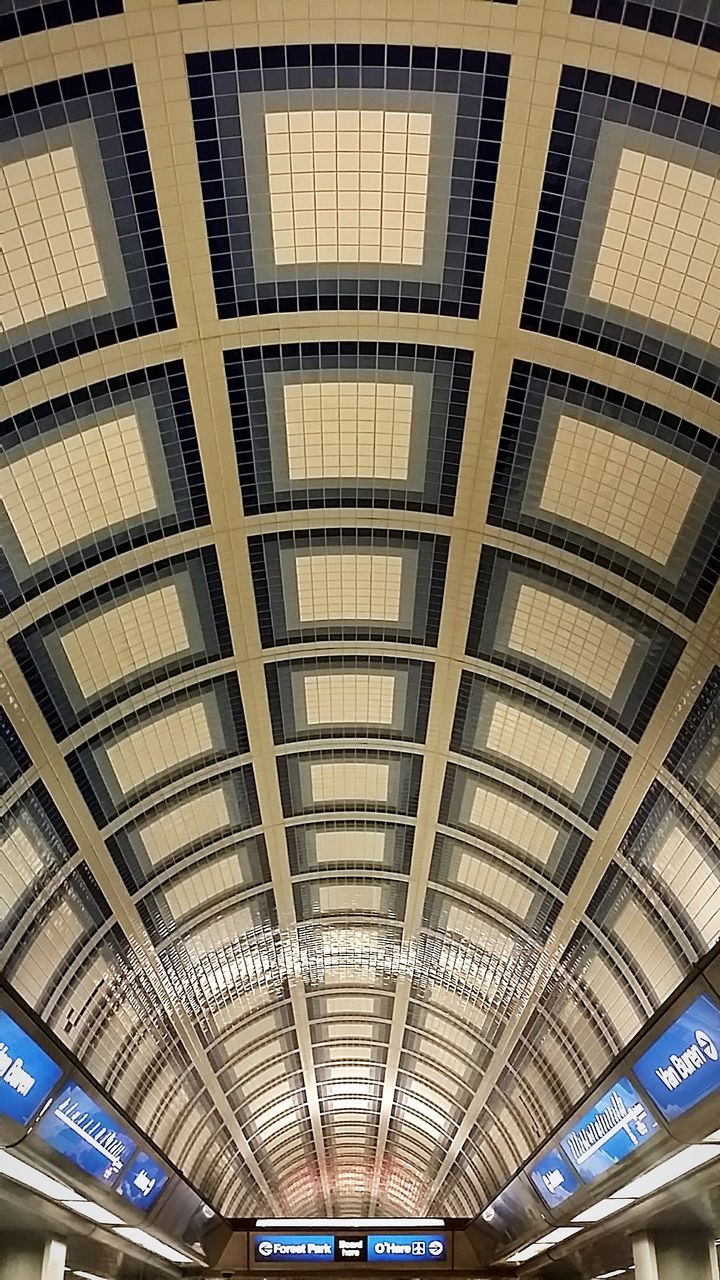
column 349, row 697
column 296, row 800
column 23, row 17
column 90, row 126
column 91, row 474
column 531, row 741
column 694, row 21
column 617, row 481
column 631, row 175
column 133, row 632
column 189, row 730
column 345, row 584
column 571, row 637
column 323, row 111
column 294, row 411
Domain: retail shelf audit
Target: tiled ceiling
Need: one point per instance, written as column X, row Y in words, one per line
column 360, row 744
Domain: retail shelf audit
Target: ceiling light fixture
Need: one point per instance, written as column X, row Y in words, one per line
column 603, row 1209
column 96, row 1213
column 18, row 1171
column 539, row 1246
column 676, row 1166
column 136, row 1235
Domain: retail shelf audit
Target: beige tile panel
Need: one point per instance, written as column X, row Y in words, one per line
column 350, row 846
column 348, row 186
column 161, row 745
column 58, row 496
column 537, row 744
column 618, row 488
column 513, row 822
column 573, row 640
column 357, row 698
column 184, row 823
column 660, row 252
column 353, row 429
column 50, row 260
column 362, row 780
column 342, row 585
column 125, row 638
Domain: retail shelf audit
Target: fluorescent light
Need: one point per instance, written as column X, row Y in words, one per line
column 539, row 1246
column 349, row 1222
column 90, row 1275
column 603, row 1209
column 668, row 1171
column 28, row 1176
column 96, row 1213
column 137, row 1236
column 608, row 1275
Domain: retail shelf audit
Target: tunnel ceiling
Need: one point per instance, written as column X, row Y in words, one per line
column 359, row 571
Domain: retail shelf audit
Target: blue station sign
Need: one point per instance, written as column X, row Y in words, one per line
column 682, row 1067
column 294, row 1248
column 77, row 1128
column 616, row 1126
column 142, row 1181
column 407, row 1248
column 553, row 1178
column 27, row 1073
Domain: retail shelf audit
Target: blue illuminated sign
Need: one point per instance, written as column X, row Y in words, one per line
column 142, row 1181
column 407, row 1248
column 27, row 1074
column 683, row 1065
column 554, row 1179
column 79, row 1129
column 294, row 1248
column 616, row 1126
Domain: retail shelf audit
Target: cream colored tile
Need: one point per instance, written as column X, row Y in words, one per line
column 50, row 261
column 617, row 487
column 363, row 899
column 660, row 252
column 185, row 823
column 339, row 585
column 692, row 879
column 353, row 429
column 563, row 635
column 348, row 186
column 350, row 846
column 58, row 496
column 514, row 823
column 362, row 780
column 537, row 744
column 126, row 638
column 161, row 745
column 356, row 698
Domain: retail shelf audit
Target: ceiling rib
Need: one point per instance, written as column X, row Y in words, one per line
column 194, row 299
column 33, row 730
column 683, row 687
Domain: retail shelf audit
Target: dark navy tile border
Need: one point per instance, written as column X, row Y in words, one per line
column 451, row 371
column 665, row 647
column 109, row 99
column 530, row 386
column 585, row 100
column 694, row 21
column 24, row 17
column 478, row 81
column 29, row 649
column 167, row 386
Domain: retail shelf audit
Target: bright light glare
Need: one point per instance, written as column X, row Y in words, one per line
column 95, row 1212
column 539, row 1246
column 27, row 1176
column 603, row 1209
column 676, row 1167
column 88, row 1275
column 349, row 1222
column 137, row 1236
column 608, row 1275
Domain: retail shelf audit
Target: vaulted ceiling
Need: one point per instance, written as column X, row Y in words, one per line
column 359, row 576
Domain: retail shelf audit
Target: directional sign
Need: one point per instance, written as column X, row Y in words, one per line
column 616, row 1126
column 27, row 1073
column 406, row 1248
column 554, row 1179
column 682, row 1067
